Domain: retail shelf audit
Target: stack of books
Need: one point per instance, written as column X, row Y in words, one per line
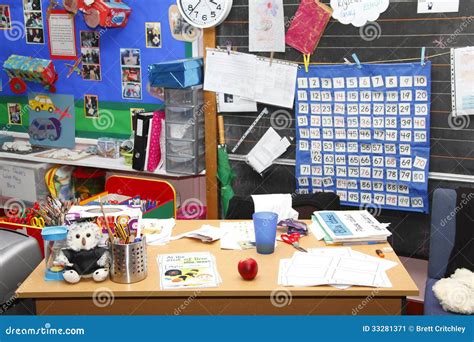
column 352, row 227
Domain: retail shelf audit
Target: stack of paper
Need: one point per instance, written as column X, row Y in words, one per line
column 268, row 148
column 206, row 233
column 340, row 267
column 188, row 270
column 350, row 227
column 157, row 232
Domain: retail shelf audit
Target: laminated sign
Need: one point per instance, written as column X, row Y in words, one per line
column 364, row 133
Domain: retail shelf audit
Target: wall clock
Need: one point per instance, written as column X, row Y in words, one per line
column 204, row 13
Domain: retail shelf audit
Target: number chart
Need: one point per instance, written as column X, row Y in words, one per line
column 364, row 133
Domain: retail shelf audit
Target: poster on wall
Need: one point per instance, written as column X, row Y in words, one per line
column 33, row 18
column 62, row 36
column 131, row 74
column 358, row 13
column 51, row 120
column 365, row 134
column 266, row 26
column 462, row 79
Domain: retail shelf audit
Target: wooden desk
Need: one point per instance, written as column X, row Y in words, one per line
column 235, row 296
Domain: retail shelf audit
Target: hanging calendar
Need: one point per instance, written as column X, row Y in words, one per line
column 364, row 133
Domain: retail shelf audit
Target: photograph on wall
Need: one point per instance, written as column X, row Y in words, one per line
column 14, row 114
column 51, row 120
column 33, row 19
column 5, row 17
column 131, row 74
column 90, row 55
column 153, row 35
column 91, row 106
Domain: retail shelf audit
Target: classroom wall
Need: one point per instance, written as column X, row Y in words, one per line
column 398, row 34
column 117, row 123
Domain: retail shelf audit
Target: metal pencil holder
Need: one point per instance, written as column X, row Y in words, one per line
column 129, row 262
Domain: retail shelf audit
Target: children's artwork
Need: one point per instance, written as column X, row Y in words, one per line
column 91, row 106
column 14, row 114
column 266, row 26
column 180, row 28
column 103, row 13
column 90, row 55
column 153, row 35
column 358, row 13
column 5, row 18
column 462, row 74
column 61, row 34
column 51, row 120
column 33, row 18
column 438, row 6
column 131, row 74
column 365, row 134
column 308, row 25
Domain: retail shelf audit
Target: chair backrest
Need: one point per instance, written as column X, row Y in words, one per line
column 148, row 189
column 443, row 231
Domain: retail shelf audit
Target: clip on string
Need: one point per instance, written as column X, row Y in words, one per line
column 356, row 59
column 228, row 46
column 306, row 61
column 423, row 54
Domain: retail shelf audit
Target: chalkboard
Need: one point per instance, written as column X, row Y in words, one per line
column 399, row 33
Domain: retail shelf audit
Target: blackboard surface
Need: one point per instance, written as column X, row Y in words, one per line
column 399, row 33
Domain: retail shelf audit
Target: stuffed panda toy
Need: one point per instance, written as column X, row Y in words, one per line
column 83, row 258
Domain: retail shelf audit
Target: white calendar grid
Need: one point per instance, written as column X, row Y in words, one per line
column 364, row 134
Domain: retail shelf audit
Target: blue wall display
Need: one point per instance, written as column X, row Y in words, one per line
column 364, row 133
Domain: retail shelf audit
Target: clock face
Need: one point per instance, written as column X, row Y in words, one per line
column 204, row 13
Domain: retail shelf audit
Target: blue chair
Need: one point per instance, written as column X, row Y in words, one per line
column 443, row 231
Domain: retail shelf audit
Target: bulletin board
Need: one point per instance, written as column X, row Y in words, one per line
column 117, row 119
column 364, row 133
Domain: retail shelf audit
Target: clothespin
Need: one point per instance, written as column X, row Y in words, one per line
column 423, row 53
column 357, row 61
column 346, row 61
column 306, row 61
column 228, row 46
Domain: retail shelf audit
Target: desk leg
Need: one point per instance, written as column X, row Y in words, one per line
column 225, row 306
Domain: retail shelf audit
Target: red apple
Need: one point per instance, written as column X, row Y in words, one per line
column 248, row 268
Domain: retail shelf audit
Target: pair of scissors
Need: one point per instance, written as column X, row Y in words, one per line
column 38, row 222
column 293, row 239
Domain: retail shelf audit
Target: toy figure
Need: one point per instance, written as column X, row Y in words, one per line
column 105, row 13
column 83, row 258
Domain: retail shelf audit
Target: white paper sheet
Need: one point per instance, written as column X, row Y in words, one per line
column 438, row 6
column 228, row 103
column 462, row 71
column 157, row 232
column 268, row 148
column 235, row 233
column 251, row 77
column 266, row 26
column 206, row 233
column 281, row 204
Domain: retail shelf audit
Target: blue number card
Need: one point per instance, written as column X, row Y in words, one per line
column 364, row 133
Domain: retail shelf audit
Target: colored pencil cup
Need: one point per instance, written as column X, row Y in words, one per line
column 129, row 262
column 265, row 224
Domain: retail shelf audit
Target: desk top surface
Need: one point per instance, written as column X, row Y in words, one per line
column 233, row 285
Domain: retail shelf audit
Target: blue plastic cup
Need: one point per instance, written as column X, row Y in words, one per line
column 265, row 225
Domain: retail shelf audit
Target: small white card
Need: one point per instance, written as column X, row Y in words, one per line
column 438, row 6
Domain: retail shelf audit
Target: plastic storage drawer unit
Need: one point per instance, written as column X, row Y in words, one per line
column 185, row 165
column 191, row 96
column 19, row 256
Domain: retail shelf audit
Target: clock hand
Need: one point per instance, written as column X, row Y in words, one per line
column 195, row 7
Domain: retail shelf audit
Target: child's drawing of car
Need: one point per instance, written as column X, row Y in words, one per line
column 42, row 102
column 45, row 128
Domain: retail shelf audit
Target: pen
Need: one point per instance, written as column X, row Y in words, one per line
column 380, row 253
